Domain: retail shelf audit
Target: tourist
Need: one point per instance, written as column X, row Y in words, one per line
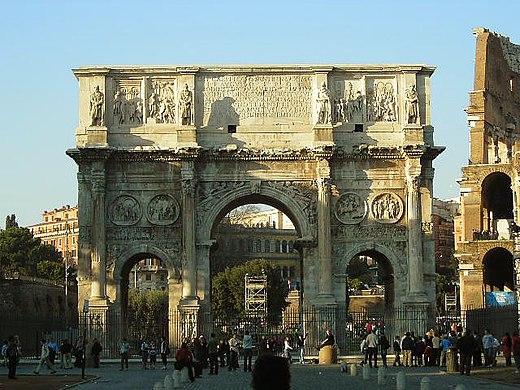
column 4, row 352
column 96, row 351
column 234, row 347
column 506, row 344
column 371, row 342
column 420, row 348
column 496, row 347
column 271, row 373
column 445, row 346
column 196, row 349
column 407, row 347
column 248, row 351
column 487, row 344
column 79, row 352
column 263, row 347
column 144, row 354
column 152, row 353
column 477, row 355
column 44, row 359
column 436, row 344
column 66, row 354
column 223, row 352
column 467, row 346
column 12, row 357
column 515, row 349
column 124, row 351
column 213, row 354
column 329, row 340
column 287, row 349
column 184, row 358
column 164, row 350
column 53, row 350
column 300, row 343
column 397, row 352
column 385, row 345
column 204, row 351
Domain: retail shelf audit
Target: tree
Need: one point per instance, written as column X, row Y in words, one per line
column 10, row 221
column 240, row 215
column 52, row 270
column 228, row 301
column 20, row 252
column 147, row 313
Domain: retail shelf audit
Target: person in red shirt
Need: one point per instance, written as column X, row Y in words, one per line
column 506, row 348
column 184, row 358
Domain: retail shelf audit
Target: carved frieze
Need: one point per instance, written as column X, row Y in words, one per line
column 381, row 100
column 227, row 99
column 161, row 101
column 127, row 106
column 348, row 102
column 211, row 192
column 350, row 208
column 379, row 232
column 387, row 208
column 125, row 211
column 302, row 192
column 163, row 209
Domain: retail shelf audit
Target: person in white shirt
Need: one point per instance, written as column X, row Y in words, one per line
column 287, row 349
column 372, row 342
column 234, row 347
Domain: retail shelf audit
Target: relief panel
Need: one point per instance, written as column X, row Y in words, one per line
column 127, row 104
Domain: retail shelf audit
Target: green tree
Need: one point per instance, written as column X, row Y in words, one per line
column 228, row 301
column 358, row 269
column 20, row 252
column 10, row 221
column 147, row 313
column 52, row 270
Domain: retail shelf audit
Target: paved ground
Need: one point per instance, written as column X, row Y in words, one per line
column 304, row 377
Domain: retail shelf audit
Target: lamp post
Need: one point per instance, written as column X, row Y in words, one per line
column 85, row 312
column 66, row 260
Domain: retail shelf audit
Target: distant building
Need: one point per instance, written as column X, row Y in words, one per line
column 61, row 230
column 490, row 185
column 443, row 217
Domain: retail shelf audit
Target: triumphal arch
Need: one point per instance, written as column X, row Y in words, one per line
column 345, row 151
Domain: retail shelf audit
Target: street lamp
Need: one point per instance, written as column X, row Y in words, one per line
column 66, row 259
column 85, row 312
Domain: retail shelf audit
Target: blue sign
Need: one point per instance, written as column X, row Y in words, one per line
column 500, row 298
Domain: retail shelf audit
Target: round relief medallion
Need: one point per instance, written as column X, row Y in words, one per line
column 387, row 208
column 125, row 211
column 350, row 208
column 163, row 209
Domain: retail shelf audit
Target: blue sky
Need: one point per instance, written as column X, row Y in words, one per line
column 41, row 41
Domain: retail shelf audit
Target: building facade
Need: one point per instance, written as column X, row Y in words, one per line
column 490, row 183
column 443, row 218
column 345, row 151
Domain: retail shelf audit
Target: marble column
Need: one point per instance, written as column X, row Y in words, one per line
column 98, row 253
column 415, row 250
column 189, row 269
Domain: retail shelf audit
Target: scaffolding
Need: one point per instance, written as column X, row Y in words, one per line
column 256, row 295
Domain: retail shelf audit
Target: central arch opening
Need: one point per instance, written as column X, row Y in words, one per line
column 498, row 270
column 255, row 237
column 497, row 204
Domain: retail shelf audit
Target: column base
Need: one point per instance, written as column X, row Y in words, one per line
column 98, row 303
column 416, row 298
column 189, row 302
column 325, row 300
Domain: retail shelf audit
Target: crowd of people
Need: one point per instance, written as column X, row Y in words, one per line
column 469, row 349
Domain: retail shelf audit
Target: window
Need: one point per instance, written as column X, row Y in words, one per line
column 59, row 241
column 232, row 129
column 267, row 246
column 73, row 240
column 358, row 127
column 291, row 246
column 284, row 246
column 277, row 247
column 148, row 276
column 258, row 246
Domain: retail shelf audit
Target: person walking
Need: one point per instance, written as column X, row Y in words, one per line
column 53, row 350
column 466, row 346
column 487, row 344
column 506, row 348
column 184, row 358
column 477, row 355
column 287, row 349
column 44, row 359
column 407, row 347
column 96, row 351
column 445, row 346
column 124, row 351
column 436, row 346
column 213, row 354
column 164, row 350
column 248, row 351
column 11, row 353
column 66, row 354
column 300, row 343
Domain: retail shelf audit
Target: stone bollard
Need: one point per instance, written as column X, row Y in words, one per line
column 460, row 387
column 185, row 377
column 158, row 386
column 366, row 373
column 168, row 382
column 425, row 383
column 400, row 381
column 381, row 376
column 353, row 370
column 176, row 376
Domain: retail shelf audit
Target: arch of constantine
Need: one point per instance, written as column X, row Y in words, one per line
column 345, row 151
